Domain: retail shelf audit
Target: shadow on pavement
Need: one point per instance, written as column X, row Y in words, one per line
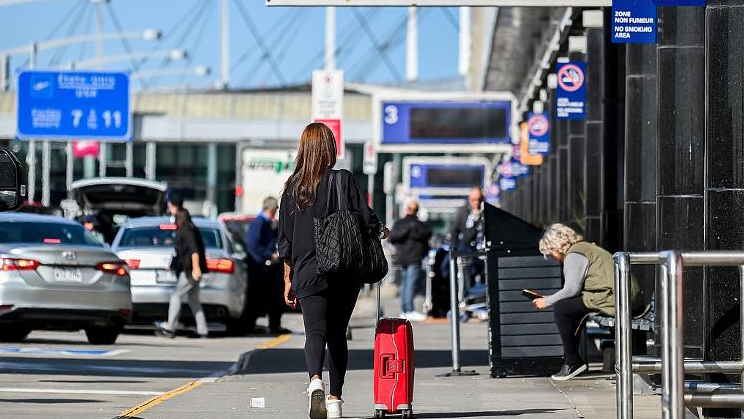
column 112, row 367
column 278, row 360
column 49, row 401
column 486, row 414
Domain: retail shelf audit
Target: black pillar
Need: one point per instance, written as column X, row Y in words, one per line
column 640, row 158
column 681, row 151
column 724, row 186
column 613, row 137
column 593, row 157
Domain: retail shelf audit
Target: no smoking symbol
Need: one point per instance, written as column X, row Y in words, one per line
column 571, row 77
column 538, row 125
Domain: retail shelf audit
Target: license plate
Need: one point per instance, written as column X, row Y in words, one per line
column 165, row 277
column 68, row 275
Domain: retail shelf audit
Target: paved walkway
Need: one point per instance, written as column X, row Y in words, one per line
column 275, row 375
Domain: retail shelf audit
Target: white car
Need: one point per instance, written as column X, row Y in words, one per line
column 147, row 246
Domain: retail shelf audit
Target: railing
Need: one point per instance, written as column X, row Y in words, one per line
column 672, row 364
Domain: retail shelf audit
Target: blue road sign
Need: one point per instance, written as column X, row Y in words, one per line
column 538, row 126
column 570, row 98
column 634, row 22
column 680, row 2
column 74, row 105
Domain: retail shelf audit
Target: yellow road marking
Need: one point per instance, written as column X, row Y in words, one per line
column 159, row 399
column 277, row 341
column 129, row 413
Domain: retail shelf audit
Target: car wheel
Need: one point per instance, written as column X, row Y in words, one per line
column 102, row 335
column 13, row 333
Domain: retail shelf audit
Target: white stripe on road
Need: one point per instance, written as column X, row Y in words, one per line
column 61, row 391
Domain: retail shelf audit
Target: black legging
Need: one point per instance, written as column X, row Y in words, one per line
column 326, row 316
column 568, row 313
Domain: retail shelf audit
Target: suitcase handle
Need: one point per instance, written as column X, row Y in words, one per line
column 390, row 366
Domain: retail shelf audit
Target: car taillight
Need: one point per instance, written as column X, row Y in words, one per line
column 115, row 268
column 168, row 227
column 7, row 264
column 133, row 263
column 221, row 265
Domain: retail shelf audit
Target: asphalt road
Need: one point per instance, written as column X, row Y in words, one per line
column 60, row 375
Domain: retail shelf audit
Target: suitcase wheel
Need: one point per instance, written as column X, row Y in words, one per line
column 379, row 414
column 407, row 414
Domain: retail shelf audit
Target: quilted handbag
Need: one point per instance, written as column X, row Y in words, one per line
column 343, row 246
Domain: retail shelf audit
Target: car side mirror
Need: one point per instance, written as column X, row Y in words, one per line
column 12, row 189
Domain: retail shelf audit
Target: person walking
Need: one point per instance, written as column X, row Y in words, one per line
column 264, row 269
column 327, row 303
column 411, row 238
column 589, row 283
column 189, row 264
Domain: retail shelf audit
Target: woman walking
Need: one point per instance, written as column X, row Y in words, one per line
column 189, row 264
column 327, row 303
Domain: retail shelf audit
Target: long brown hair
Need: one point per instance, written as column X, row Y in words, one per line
column 316, row 154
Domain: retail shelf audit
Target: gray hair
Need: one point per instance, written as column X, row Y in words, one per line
column 269, row 203
column 558, row 237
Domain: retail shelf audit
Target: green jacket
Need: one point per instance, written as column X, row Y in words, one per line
column 598, row 290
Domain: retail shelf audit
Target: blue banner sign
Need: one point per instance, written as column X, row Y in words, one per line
column 680, row 2
column 507, row 183
column 538, row 126
column 633, row 22
column 77, row 105
column 570, row 102
column 446, row 122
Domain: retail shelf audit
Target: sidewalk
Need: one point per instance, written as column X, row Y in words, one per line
column 277, row 374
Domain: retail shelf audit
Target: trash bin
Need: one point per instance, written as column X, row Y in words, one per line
column 522, row 340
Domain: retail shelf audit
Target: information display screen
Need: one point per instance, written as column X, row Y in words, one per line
column 446, row 176
column 473, row 122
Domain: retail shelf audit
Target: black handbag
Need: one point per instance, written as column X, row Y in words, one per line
column 344, row 247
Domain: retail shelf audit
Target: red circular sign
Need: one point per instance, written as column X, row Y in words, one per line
column 570, row 77
column 538, row 125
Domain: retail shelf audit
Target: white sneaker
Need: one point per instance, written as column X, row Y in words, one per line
column 415, row 316
column 334, row 408
column 316, row 393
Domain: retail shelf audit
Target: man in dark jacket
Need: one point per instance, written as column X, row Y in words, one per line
column 468, row 235
column 266, row 285
column 411, row 238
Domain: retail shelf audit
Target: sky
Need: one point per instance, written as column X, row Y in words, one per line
column 294, row 38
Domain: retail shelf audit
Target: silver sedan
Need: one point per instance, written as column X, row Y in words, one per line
column 147, row 246
column 55, row 275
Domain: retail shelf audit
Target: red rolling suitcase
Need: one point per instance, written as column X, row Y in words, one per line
column 394, row 368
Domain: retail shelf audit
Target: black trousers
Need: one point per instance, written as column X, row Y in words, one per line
column 266, row 294
column 326, row 316
column 568, row 313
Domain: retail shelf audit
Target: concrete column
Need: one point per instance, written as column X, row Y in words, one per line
column 150, row 160
column 593, row 175
column 724, row 179
column 212, row 172
column 69, row 168
column 103, row 160
column 681, row 152
column 46, row 157
column 31, row 161
column 639, row 226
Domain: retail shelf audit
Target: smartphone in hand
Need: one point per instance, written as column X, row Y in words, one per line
column 531, row 294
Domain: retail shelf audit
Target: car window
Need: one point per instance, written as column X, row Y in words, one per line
column 164, row 236
column 46, row 233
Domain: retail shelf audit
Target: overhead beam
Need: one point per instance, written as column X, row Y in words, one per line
column 443, row 3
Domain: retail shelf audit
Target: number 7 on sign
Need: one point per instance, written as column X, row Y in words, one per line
column 76, row 115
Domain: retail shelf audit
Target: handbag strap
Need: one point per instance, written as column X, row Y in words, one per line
column 331, row 176
column 341, row 202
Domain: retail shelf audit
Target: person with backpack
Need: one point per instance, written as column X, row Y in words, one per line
column 326, row 302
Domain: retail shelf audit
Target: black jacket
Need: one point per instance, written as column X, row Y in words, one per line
column 188, row 242
column 411, row 238
column 296, row 237
column 461, row 235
